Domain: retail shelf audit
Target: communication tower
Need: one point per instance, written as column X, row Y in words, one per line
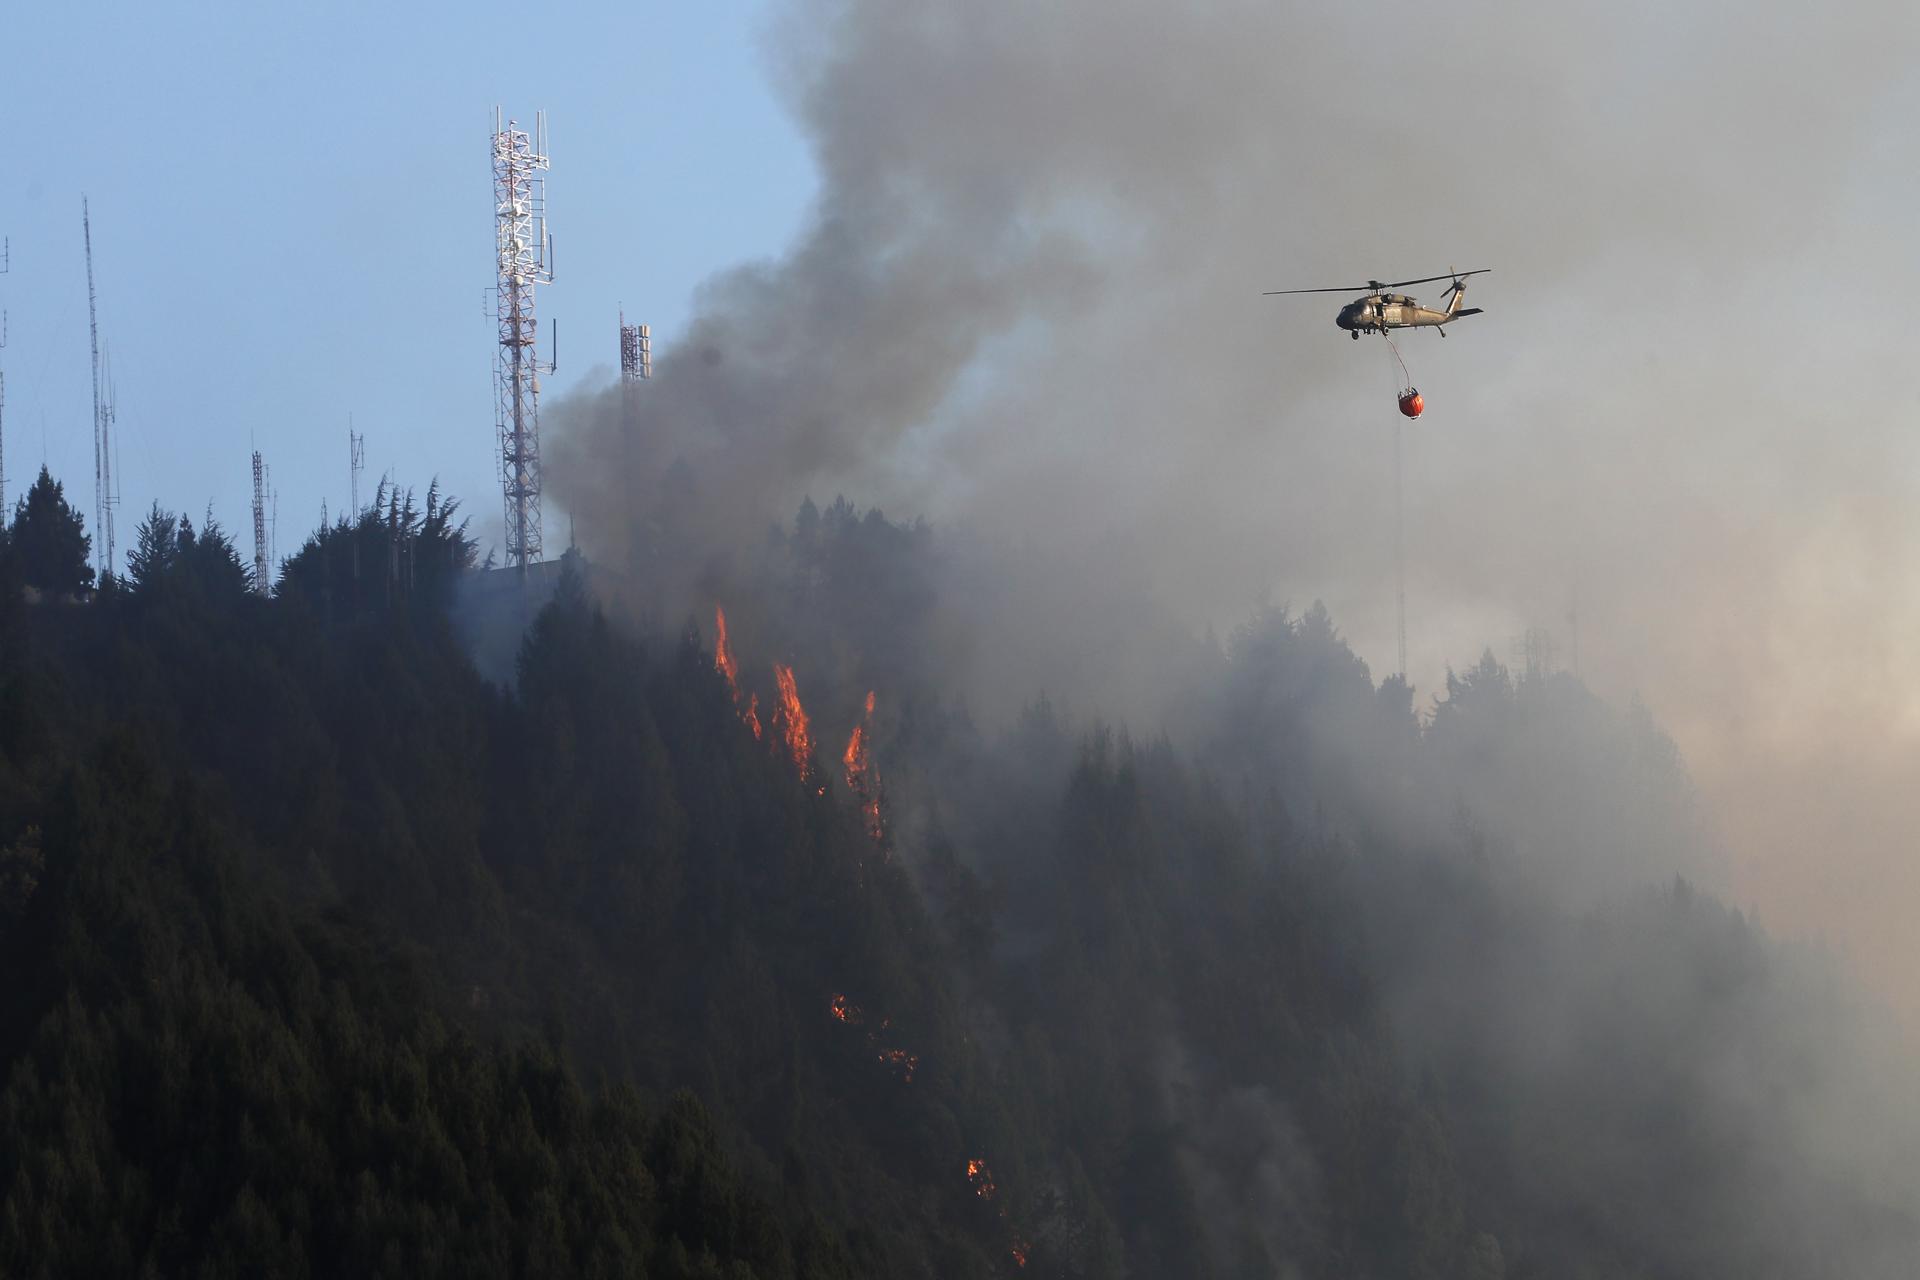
column 1533, row 654
column 636, row 351
column 261, row 582
column 104, row 497
column 524, row 259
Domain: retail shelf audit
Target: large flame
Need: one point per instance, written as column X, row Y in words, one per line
column 723, row 663
column 863, row 780
column 790, row 718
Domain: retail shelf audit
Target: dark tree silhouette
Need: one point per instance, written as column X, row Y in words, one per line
column 51, row 541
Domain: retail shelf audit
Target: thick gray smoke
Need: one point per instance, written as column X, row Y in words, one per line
column 1027, row 307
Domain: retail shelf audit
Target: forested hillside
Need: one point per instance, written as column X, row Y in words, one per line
column 329, row 956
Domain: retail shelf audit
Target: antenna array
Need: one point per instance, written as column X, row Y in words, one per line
column 524, row 259
column 636, row 351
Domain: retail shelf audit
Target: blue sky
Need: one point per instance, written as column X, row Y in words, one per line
column 292, row 221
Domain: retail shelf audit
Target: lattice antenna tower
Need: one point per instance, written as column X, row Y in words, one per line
column 261, row 581
column 103, row 492
column 524, row 260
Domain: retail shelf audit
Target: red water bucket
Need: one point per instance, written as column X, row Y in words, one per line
column 1410, row 403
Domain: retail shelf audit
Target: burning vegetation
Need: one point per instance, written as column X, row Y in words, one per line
column 901, row 1061
column 980, row 1178
column 723, row 662
column 794, row 729
column 790, row 718
column 863, row 779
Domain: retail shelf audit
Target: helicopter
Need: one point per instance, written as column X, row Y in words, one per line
column 1380, row 311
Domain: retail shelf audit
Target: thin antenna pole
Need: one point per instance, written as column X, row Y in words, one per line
column 102, row 417
column 1399, row 550
column 356, row 459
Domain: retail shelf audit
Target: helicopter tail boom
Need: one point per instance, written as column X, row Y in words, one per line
column 1456, row 294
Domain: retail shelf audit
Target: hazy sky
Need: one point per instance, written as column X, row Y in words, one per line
column 1027, row 298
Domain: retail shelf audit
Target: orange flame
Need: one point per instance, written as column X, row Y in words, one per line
column 723, row 663
column 791, row 719
column 902, row 1059
column 982, row 1179
column 1019, row 1251
column 723, row 652
column 863, row 780
column 846, row 1011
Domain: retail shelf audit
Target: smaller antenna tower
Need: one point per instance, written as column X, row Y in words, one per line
column 636, row 351
column 261, row 582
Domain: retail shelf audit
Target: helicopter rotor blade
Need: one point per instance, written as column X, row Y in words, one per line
column 1375, row 286
column 1451, row 275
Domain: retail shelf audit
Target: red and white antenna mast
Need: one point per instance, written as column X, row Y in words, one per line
column 524, row 257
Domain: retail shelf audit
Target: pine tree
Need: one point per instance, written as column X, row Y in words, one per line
column 50, row 539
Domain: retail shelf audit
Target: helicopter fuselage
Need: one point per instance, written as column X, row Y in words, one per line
column 1378, row 312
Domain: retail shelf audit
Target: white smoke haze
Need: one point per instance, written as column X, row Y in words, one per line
column 1028, row 308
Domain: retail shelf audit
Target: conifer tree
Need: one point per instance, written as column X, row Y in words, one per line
column 50, row 539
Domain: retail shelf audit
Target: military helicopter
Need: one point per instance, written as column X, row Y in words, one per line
column 1380, row 311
